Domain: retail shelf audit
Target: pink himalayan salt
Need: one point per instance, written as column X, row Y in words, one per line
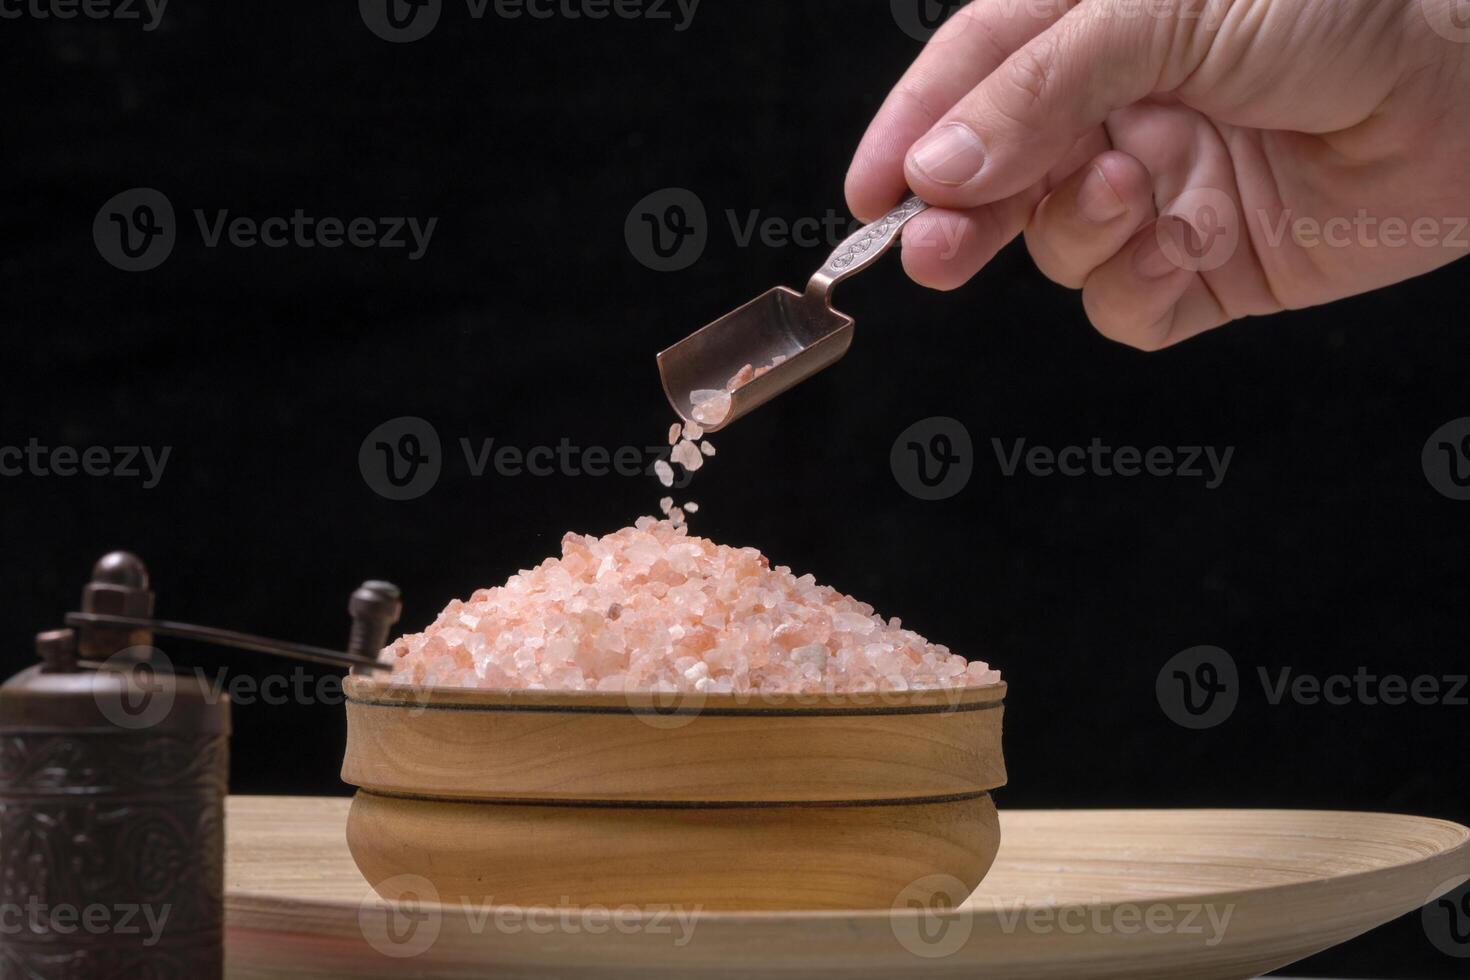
column 709, row 406
column 653, row 608
column 691, row 507
column 707, row 448
column 664, row 503
column 693, row 430
column 674, row 431
column 742, row 377
column 664, row 472
column 687, row 455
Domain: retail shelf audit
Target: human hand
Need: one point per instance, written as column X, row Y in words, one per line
column 1183, row 162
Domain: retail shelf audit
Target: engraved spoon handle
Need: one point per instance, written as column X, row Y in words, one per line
column 862, row 248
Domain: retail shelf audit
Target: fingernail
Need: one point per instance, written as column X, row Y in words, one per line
column 1096, row 199
column 951, row 154
column 1151, row 261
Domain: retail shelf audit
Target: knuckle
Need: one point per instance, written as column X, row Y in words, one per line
column 1032, row 74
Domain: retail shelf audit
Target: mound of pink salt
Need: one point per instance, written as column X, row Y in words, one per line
column 653, row 608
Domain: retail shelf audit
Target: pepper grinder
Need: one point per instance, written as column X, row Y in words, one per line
column 113, row 775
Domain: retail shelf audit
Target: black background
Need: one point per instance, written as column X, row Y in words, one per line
column 529, row 321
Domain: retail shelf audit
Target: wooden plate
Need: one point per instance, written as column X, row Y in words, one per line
column 1074, row 894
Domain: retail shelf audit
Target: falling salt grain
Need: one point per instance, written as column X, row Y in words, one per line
column 664, row 472
column 691, row 508
column 686, row 454
column 664, row 503
column 707, row 448
column 693, row 430
column 674, row 431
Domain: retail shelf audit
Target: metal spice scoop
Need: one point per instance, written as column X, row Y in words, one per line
column 789, row 334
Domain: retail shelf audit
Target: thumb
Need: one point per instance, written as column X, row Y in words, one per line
column 1018, row 123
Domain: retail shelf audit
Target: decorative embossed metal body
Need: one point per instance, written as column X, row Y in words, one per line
column 112, row 854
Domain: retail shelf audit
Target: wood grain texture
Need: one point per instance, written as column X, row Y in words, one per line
column 463, row 744
column 732, row 858
column 1295, row 882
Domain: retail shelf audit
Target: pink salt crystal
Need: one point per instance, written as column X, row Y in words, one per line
column 652, row 608
column 686, row 454
column 674, row 431
column 709, row 406
column 664, row 472
column 707, row 448
column 741, row 377
column 664, row 503
column 691, row 507
column 693, row 430
column 676, row 516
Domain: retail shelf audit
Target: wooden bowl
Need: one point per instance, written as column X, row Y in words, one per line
column 720, row 801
